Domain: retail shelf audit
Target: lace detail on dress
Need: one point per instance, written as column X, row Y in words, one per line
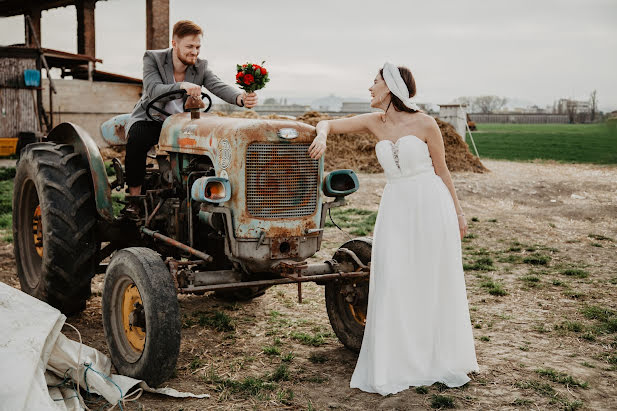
column 395, row 152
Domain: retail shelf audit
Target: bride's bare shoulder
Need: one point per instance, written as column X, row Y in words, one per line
column 425, row 121
column 424, row 118
column 426, row 124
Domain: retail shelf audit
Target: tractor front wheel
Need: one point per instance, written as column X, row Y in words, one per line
column 347, row 300
column 141, row 315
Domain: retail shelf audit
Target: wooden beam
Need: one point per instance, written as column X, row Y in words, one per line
column 85, row 27
column 157, row 24
column 35, row 18
column 10, row 8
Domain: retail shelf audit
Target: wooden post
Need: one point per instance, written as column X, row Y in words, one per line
column 85, row 27
column 157, row 24
column 35, row 19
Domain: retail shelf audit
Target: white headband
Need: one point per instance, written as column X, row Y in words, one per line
column 397, row 85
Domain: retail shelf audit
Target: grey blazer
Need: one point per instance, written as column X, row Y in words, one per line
column 159, row 79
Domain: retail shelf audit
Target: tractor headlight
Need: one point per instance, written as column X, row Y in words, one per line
column 211, row 190
column 340, row 183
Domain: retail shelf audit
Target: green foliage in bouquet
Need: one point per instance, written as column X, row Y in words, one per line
column 251, row 77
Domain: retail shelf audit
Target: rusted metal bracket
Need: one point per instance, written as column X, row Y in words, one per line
column 177, row 244
column 353, row 256
column 277, row 281
column 293, row 271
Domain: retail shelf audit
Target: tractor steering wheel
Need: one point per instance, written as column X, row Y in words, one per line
column 169, row 93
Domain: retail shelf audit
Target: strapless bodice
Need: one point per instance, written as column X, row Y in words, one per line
column 407, row 157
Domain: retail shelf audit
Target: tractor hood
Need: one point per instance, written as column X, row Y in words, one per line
column 207, row 134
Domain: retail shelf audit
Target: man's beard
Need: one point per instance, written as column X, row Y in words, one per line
column 186, row 62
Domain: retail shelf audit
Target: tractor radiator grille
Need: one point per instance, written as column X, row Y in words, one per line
column 281, row 180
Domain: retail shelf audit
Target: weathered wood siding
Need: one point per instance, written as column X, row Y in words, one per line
column 18, row 110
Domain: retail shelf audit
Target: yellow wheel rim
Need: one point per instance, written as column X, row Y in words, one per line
column 357, row 315
column 131, row 302
column 37, row 230
column 357, row 312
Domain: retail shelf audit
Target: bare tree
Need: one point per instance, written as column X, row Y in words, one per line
column 571, row 110
column 489, row 104
column 468, row 101
column 593, row 104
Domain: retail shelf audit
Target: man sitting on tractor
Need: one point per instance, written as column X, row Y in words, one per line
column 175, row 68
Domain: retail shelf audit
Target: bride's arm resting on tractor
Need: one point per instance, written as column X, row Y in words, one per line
column 361, row 123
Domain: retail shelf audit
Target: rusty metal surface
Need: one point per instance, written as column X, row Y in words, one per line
column 113, row 130
column 69, row 133
column 194, row 103
column 225, row 141
column 177, row 244
column 282, row 181
column 283, row 247
column 255, row 253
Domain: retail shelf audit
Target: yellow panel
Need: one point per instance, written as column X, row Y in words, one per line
column 8, row 146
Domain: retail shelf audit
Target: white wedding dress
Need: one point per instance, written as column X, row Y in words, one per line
column 418, row 329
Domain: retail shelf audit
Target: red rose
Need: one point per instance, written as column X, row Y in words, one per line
column 263, row 71
column 248, row 79
column 244, row 66
column 239, row 75
column 255, row 67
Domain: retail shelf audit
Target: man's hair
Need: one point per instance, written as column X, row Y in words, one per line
column 185, row 28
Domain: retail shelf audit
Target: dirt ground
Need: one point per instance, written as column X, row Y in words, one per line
column 535, row 346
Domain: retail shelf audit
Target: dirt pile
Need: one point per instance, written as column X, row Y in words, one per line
column 357, row 151
column 458, row 155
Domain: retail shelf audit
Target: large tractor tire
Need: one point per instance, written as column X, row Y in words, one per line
column 347, row 300
column 54, row 218
column 141, row 315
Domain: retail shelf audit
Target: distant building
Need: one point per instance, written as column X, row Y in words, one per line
column 356, row 107
column 577, row 106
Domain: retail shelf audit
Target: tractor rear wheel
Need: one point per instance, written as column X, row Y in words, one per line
column 141, row 315
column 347, row 300
column 54, row 218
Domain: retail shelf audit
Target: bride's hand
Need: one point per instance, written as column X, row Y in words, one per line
column 318, row 147
column 462, row 225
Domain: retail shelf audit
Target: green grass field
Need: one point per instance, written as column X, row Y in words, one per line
column 569, row 143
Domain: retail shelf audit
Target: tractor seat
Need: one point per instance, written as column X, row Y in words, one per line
column 114, row 130
column 115, row 134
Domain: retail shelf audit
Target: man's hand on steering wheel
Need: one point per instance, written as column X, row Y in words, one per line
column 151, row 105
column 192, row 90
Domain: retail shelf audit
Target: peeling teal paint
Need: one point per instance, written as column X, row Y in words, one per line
column 114, row 130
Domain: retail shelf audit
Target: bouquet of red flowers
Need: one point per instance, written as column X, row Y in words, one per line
column 251, row 77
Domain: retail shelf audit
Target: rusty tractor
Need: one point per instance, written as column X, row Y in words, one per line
column 230, row 206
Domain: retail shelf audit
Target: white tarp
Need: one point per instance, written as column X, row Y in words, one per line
column 35, row 358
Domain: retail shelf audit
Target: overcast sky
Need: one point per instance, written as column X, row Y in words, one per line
column 535, row 51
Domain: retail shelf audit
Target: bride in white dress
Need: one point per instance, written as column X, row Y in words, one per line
column 418, row 329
